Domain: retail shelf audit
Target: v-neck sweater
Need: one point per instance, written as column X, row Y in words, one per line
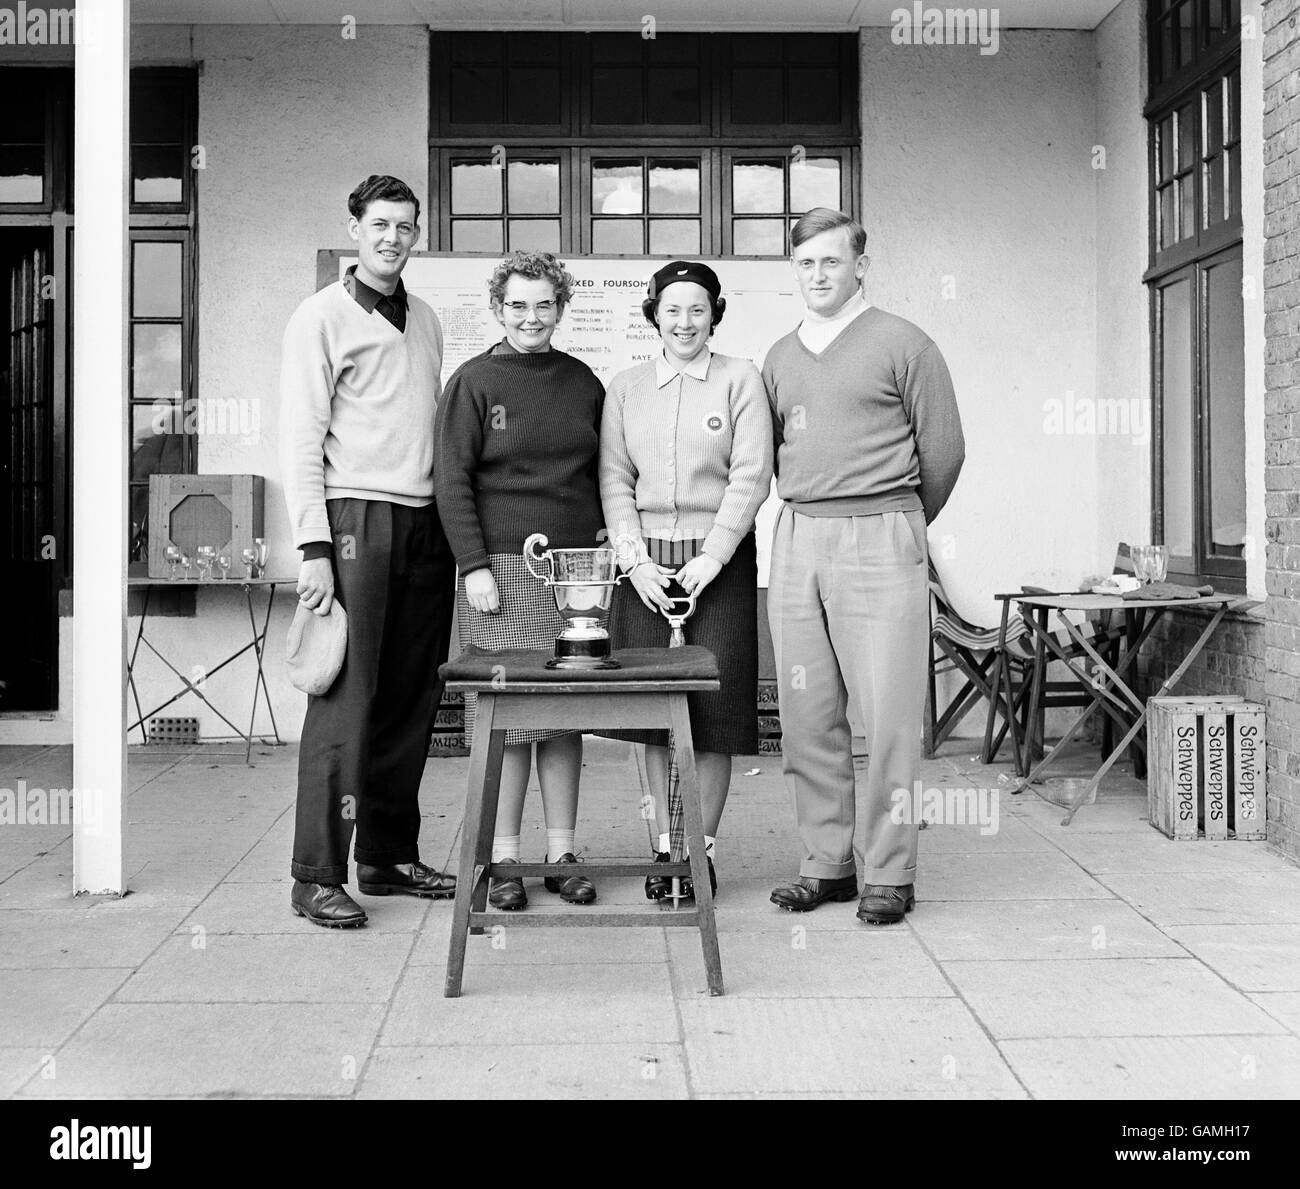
column 869, row 424
column 518, row 439
column 357, row 404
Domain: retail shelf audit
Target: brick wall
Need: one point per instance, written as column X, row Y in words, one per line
column 1232, row 661
column 1281, row 29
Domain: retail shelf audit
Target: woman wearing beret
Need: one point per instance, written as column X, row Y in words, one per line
column 518, row 436
column 685, row 463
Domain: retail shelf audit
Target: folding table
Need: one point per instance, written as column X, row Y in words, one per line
column 256, row 641
column 515, row 689
column 1106, row 683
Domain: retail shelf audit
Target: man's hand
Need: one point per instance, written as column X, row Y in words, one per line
column 481, row 591
column 649, row 581
column 316, row 585
column 697, row 573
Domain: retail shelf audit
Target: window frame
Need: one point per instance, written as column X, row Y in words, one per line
column 169, row 222
column 584, row 141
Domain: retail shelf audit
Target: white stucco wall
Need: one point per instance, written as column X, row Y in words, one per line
column 1123, row 460
column 978, row 169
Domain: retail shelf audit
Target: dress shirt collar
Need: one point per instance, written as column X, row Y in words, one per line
column 392, row 306
column 697, row 369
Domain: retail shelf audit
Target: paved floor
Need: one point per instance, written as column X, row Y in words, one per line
column 1098, row 960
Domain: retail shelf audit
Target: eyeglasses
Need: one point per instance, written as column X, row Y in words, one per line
column 543, row 309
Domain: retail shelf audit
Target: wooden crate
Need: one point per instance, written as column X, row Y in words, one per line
column 193, row 510
column 1205, row 768
column 449, row 727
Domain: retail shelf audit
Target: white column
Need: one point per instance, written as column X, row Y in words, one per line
column 99, row 451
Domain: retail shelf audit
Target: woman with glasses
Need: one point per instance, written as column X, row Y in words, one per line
column 685, row 463
column 518, row 439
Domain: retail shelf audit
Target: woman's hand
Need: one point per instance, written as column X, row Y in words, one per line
column 649, row 581
column 481, row 591
column 696, row 574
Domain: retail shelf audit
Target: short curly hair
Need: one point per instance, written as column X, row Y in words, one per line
column 535, row 266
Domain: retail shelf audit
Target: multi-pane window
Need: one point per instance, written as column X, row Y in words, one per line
column 23, row 155
column 162, row 421
column 619, row 144
column 1196, row 287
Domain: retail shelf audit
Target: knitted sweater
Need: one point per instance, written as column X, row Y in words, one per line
column 518, row 435
column 868, row 425
column 357, row 404
column 686, row 456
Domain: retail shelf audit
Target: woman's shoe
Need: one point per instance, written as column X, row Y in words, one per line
column 658, row 886
column 572, row 889
column 507, row 894
column 688, row 887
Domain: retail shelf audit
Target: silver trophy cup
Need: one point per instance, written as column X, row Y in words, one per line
column 582, row 582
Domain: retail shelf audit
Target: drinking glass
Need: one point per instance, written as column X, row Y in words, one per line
column 205, row 555
column 1158, row 562
column 263, row 552
column 173, row 554
column 223, row 564
column 249, row 557
column 185, row 561
column 1141, row 557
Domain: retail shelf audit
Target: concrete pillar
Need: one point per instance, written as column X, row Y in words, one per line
column 99, row 445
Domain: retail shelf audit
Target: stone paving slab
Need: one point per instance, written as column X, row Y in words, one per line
column 515, row 1003
column 1120, row 815
column 32, row 939
column 1011, row 835
column 1130, row 997
column 491, row 1072
column 1240, row 1068
column 1250, row 957
column 19, row 1065
column 1093, row 928
column 532, row 946
column 1218, row 898
column 1048, row 875
column 219, row 1050
column 336, row 967
column 45, row 1008
column 890, row 1046
column 1283, row 1006
column 264, row 908
column 1150, row 853
column 881, row 963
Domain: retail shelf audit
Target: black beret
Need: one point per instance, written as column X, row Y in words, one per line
column 686, row 270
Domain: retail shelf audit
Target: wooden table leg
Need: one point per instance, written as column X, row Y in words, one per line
column 483, row 772
column 690, row 787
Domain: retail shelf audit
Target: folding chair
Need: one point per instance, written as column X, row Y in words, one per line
column 956, row 645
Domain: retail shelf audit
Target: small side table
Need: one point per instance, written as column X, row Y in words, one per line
column 515, row 689
column 256, row 641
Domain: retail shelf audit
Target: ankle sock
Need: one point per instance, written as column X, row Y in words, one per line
column 505, row 846
column 558, row 842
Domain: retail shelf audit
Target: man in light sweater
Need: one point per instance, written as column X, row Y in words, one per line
column 868, row 448
column 359, row 388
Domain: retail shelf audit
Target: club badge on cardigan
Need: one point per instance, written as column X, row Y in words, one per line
column 316, row 647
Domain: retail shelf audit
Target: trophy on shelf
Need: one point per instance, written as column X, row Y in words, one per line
column 582, row 582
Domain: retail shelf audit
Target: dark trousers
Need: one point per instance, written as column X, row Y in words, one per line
column 365, row 741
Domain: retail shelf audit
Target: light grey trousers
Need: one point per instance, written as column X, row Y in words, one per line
column 848, row 605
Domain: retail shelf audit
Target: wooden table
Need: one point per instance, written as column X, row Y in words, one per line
column 256, row 642
column 1106, row 682
column 516, row 690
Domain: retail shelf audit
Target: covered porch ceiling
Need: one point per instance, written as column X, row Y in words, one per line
column 671, row 15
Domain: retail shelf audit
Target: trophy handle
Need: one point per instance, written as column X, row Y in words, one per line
column 688, row 602
column 625, row 551
column 533, row 552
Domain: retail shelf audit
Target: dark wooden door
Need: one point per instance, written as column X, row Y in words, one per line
column 30, row 548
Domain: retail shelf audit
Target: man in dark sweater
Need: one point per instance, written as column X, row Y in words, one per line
column 359, row 387
column 868, row 448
